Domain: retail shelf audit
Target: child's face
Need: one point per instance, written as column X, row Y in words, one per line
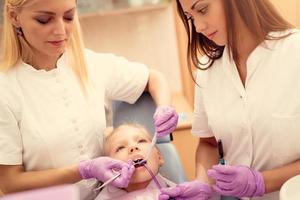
column 131, row 143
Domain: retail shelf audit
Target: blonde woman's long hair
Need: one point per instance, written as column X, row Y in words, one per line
column 16, row 48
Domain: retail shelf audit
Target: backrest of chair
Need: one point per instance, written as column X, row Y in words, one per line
column 141, row 112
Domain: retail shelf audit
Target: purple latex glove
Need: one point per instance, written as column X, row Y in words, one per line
column 194, row 190
column 165, row 120
column 103, row 168
column 238, row 181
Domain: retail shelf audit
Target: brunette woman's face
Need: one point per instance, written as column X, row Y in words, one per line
column 208, row 17
column 46, row 24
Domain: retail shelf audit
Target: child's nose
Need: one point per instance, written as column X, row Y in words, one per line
column 135, row 148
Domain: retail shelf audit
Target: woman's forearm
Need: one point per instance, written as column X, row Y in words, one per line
column 158, row 88
column 275, row 178
column 14, row 179
column 206, row 157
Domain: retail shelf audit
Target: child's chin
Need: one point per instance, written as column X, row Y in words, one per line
column 140, row 176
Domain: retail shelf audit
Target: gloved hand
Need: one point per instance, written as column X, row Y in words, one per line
column 165, row 120
column 102, row 168
column 238, row 181
column 194, row 190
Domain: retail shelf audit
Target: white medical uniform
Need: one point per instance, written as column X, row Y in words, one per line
column 46, row 121
column 151, row 192
column 259, row 124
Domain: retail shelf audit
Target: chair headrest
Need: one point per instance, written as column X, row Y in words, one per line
column 141, row 112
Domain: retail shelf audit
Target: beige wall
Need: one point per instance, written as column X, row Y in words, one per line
column 1, row 51
column 290, row 9
column 147, row 36
column 298, row 14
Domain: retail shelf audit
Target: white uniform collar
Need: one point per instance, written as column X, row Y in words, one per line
column 253, row 61
column 60, row 63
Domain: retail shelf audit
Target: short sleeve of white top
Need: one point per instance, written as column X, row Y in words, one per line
column 259, row 123
column 46, row 120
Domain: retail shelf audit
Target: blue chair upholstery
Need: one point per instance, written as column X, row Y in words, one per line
column 141, row 112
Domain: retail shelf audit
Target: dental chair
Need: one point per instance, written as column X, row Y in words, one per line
column 141, row 112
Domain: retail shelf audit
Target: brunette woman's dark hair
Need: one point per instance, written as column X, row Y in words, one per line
column 259, row 16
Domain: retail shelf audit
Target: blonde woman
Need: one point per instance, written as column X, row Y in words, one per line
column 247, row 97
column 52, row 100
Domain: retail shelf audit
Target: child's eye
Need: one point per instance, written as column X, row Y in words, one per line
column 142, row 140
column 120, row 148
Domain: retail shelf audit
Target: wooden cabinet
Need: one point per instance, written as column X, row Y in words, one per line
column 183, row 140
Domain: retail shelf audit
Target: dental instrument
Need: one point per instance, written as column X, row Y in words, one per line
column 153, row 177
column 108, row 181
column 153, row 142
column 142, row 162
column 221, row 152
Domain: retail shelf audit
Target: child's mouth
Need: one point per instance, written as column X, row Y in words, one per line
column 139, row 162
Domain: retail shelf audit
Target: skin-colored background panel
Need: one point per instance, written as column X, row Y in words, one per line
column 148, row 36
column 289, row 9
column 298, row 14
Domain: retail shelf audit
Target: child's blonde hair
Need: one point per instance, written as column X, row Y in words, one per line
column 109, row 131
column 16, row 48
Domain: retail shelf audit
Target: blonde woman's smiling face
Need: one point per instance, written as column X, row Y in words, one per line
column 46, row 24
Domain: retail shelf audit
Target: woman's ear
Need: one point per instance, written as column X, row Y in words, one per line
column 12, row 16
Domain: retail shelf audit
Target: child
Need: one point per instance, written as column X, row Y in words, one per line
column 130, row 142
